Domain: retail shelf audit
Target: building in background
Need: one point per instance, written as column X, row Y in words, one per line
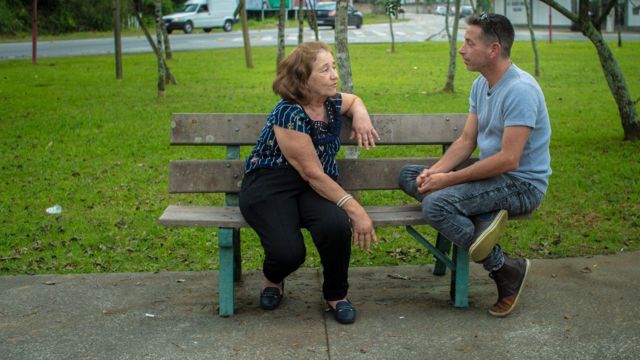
column 626, row 15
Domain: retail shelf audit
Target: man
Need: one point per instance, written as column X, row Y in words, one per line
column 509, row 123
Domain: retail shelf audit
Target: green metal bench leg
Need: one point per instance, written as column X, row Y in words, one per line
column 231, row 199
column 458, row 263
column 444, row 245
column 237, row 256
column 225, row 272
column 460, row 278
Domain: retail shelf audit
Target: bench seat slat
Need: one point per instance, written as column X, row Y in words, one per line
column 203, row 216
column 214, row 216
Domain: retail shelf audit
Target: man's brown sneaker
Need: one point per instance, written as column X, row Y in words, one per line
column 486, row 235
column 510, row 281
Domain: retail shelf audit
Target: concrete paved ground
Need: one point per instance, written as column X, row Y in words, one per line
column 574, row 308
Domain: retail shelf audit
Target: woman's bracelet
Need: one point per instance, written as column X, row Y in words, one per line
column 343, row 200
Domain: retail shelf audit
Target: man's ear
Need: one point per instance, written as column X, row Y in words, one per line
column 496, row 50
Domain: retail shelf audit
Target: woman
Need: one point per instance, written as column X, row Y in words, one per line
column 290, row 181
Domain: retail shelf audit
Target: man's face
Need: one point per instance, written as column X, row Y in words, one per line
column 475, row 52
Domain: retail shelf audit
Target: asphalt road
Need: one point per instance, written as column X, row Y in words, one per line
column 420, row 27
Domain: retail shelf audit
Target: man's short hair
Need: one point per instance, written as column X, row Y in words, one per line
column 495, row 28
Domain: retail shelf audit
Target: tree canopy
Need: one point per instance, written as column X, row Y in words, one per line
column 63, row 16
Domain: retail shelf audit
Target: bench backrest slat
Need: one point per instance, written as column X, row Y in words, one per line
column 195, row 176
column 244, row 129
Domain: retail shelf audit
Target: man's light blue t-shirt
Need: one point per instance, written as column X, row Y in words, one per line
column 516, row 100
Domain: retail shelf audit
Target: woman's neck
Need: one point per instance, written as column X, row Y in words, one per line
column 316, row 110
column 316, row 103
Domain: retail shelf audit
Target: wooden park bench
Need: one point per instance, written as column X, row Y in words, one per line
column 225, row 176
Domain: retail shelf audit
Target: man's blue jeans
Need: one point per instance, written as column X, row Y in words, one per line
column 451, row 211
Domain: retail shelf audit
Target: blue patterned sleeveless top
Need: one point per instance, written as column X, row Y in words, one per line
column 288, row 115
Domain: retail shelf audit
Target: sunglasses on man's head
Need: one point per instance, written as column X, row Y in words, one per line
column 486, row 21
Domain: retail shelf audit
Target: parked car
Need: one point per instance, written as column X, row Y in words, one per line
column 326, row 15
column 203, row 14
column 466, row 11
column 441, row 10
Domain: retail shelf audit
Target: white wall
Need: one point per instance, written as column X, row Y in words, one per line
column 633, row 20
column 517, row 13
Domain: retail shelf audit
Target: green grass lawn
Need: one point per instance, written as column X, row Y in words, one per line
column 73, row 135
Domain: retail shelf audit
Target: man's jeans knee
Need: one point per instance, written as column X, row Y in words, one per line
column 407, row 180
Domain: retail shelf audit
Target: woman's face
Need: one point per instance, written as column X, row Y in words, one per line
column 323, row 81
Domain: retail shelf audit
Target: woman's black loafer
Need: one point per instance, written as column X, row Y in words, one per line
column 344, row 312
column 270, row 298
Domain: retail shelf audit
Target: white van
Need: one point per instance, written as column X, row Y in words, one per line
column 202, row 14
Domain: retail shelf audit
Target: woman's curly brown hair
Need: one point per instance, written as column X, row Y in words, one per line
column 294, row 72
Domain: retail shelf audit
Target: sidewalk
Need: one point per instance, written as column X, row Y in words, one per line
column 575, row 308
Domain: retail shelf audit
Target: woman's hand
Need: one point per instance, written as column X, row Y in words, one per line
column 362, row 226
column 362, row 129
column 361, row 126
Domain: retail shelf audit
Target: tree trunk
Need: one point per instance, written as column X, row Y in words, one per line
column 453, row 50
column 612, row 72
column 313, row 20
column 301, row 22
column 169, row 76
column 167, row 44
column 245, row 34
column 281, row 24
column 618, row 12
column 617, row 85
column 34, row 33
column 536, row 58
column 161, row 70
column 393, row 40
column 342, row 47
column 117, row 38
column 344, row 64
column 446, row 20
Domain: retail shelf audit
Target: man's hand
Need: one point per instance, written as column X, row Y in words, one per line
column 424, row 175
column 433, row 182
